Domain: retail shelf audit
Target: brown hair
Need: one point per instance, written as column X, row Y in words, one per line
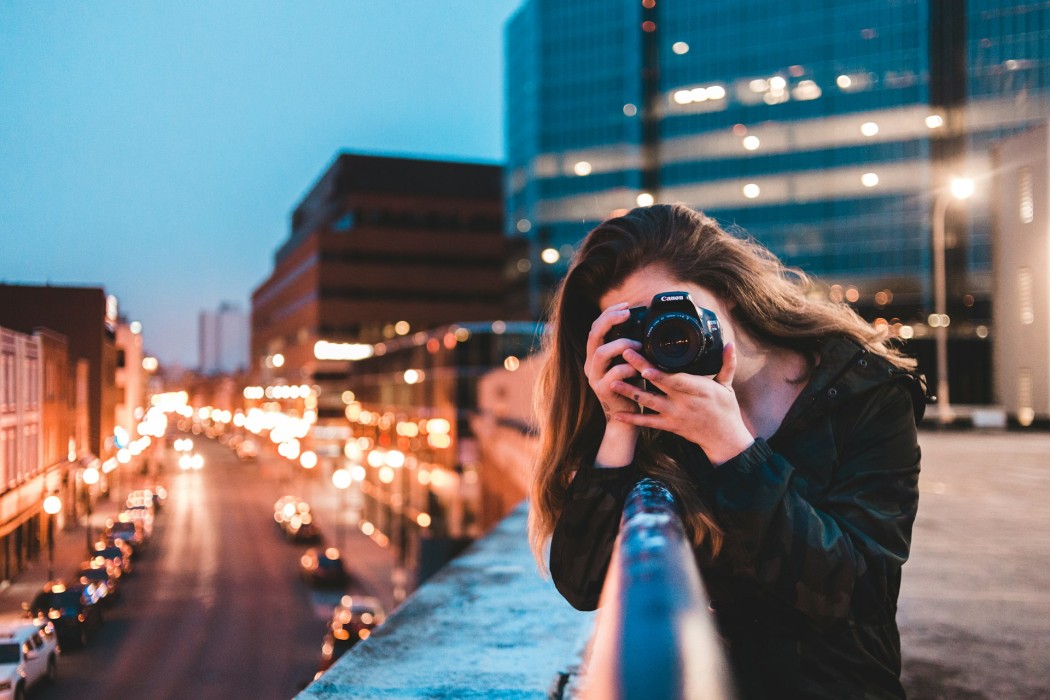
column 768, row 301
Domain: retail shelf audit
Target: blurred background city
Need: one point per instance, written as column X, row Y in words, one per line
column 273, row 283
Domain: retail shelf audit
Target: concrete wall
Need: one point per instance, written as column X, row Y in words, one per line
column 486, row 626
column 1021, row 303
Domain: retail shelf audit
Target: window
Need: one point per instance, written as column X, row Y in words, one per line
column 1026, row 208
column 1024, row 295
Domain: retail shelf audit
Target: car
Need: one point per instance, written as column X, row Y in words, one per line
column 104, row 578
column 142, row 513
column 28, row 655
column 116, row 555
column 247, row 450
column 191, row 462
column 75, row 610
column 153, row 497
column 352, row 621
column 296, row 521
column 132, row 532
column 323, row 567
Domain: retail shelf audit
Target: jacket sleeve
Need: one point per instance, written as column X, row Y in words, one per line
column 841, row 554
column 583, row 539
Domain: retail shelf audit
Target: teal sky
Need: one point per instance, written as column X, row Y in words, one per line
column 157, row 148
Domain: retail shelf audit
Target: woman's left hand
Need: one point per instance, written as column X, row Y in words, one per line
column 703, row 410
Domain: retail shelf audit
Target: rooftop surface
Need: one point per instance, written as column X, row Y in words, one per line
column 974, row 609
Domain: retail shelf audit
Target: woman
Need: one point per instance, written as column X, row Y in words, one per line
column 796, row 465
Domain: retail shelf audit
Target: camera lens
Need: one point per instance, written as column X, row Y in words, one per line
column 674, row 340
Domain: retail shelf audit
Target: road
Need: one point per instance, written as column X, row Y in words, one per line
column 975, row 598
column 215, row 608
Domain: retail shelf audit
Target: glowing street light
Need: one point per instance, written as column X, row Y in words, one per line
column 52, row 506
column 90, row 477
column 959, row 189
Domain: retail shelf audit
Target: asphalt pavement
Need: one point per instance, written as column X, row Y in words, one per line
column 975, row 598
column 215, row 607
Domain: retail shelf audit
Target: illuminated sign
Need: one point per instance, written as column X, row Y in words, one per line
column 324, row 350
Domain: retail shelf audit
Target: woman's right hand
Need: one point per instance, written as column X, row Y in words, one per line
column 599, row 368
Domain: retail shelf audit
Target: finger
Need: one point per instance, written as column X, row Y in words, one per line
column 641, row 397
column 728, row 371
column 663, row 381
column 617, row 313
column 621, row 372
column 605, row 354
column 637, row 360
column 642, row 420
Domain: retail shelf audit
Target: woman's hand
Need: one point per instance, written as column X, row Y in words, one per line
column 599, row 368
column 618, row 443
column 703, row 410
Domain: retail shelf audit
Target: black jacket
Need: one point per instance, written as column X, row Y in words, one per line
column 817, row 524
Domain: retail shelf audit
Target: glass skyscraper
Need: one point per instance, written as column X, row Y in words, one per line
column 823, row 129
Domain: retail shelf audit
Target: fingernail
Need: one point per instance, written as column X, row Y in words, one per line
column 647, row 373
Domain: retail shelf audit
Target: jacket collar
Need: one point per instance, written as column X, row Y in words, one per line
column 845, row 370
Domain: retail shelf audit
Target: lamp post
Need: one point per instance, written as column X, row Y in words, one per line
column 52, row 506
column 90, row 479
column 960, row 188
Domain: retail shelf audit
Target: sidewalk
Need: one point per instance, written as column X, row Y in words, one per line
column 70, row 552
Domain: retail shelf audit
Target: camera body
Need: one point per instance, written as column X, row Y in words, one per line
column 676, row 335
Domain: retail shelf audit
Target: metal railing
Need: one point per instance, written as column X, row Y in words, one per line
column 655, row 634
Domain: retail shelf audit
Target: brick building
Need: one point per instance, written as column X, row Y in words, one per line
column 382, row 247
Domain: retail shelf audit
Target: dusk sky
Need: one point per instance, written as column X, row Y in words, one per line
column 157, row 149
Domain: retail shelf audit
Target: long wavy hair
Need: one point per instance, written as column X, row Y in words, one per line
column 768, row 301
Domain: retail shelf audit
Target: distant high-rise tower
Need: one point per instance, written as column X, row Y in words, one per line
column 825, row 130
column 224, row 340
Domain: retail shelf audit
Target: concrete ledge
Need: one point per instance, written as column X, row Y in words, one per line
column 486, row 626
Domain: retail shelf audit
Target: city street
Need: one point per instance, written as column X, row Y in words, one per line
column 215, row 608
column 975, row 599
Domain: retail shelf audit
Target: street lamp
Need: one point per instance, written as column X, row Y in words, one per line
column 960, row 188
column 52, row 506
column 90, row 479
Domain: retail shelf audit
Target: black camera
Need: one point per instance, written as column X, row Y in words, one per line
column 676, row 335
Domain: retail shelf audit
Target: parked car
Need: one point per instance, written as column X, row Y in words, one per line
column 143, row 514
column 131, row 532
column 352, row 621
column 74, row 609
column 116, row 555
column 323, row 567
column 155, row 495
column 296, row 521
column 105, row 579
column 28, row 655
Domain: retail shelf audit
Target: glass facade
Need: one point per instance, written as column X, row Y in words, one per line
column 823, row 129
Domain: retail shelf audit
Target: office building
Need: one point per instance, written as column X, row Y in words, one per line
column 379, row 248
column 824, row 130
column 224, row 340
